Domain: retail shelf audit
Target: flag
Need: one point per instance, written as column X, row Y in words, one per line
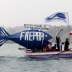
column 58, row 16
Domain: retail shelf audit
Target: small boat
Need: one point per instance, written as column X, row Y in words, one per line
column 49, row 55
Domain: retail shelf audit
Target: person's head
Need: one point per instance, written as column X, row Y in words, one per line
column 67, row 39
column 57, row 36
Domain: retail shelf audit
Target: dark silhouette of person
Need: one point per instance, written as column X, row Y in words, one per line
column 54, row 47
column 66, row 46
column 58, row 40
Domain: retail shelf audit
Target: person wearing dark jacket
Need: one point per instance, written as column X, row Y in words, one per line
column 58, row 40
column 66, row 46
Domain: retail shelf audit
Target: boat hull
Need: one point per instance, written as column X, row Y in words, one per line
column 50, row 55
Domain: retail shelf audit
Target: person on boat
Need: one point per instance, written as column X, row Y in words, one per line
column 48, row 47
column 62, row 46
column 66, row 46
column 54, row 47
column 58, row 42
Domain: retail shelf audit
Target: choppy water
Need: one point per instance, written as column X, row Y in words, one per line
column 21, row 64
column 13, row 60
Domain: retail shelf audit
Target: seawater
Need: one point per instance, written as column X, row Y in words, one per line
column 21, row 64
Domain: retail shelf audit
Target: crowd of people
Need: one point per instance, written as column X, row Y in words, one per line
column 61, row 45
column 58, row 46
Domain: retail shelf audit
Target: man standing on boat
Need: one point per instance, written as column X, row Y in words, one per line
column 58, row 42
column 66, row 47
